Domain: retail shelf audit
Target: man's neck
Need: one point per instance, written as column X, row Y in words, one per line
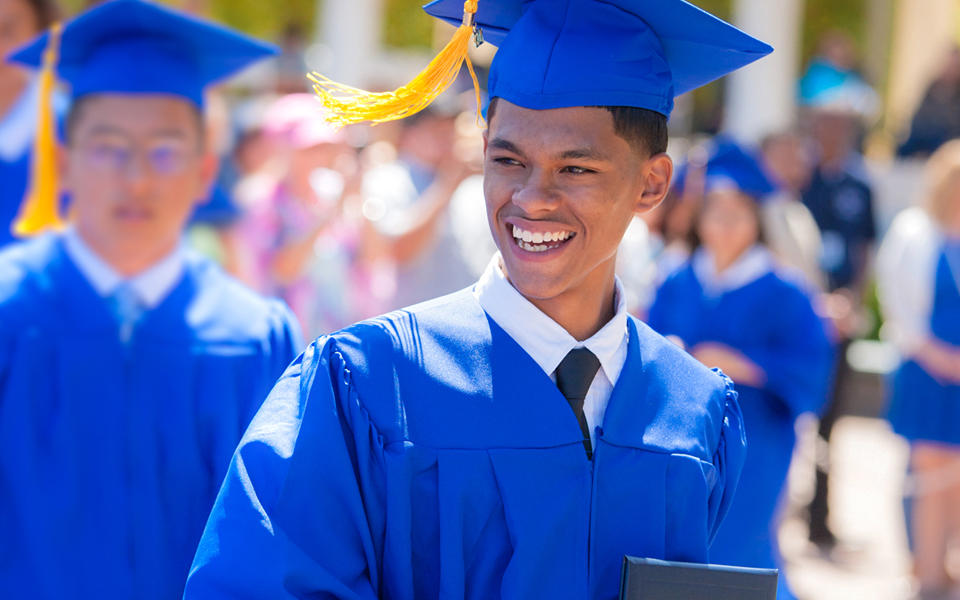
column 125, row 260
column 722, row 262
column 584, row 309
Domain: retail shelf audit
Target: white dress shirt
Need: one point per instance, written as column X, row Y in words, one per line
column 151, row 286
column 749, row 267
column 548, row 343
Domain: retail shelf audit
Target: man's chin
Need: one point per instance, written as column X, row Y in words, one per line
column 537, row 288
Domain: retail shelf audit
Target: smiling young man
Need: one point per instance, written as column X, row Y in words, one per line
column 129, row 367
column 518, row 438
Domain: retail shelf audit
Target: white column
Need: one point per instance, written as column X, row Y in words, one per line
column 349, row 36
column 761, row 98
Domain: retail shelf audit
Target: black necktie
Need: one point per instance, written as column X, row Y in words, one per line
column 575, row 373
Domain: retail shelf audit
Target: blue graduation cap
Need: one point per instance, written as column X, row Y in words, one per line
column 137, row 47
column 122, row 47
column 729, row 165
column 640, row 53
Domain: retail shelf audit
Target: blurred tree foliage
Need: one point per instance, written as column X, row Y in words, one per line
column 824, row 16
column 266, row 20
column 407, row 26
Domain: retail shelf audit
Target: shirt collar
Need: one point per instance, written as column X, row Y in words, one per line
column 750, row 266
column 542, row 337
column 151, row 285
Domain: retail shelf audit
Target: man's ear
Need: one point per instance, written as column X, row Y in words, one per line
column 656, row 173
column 486, row 138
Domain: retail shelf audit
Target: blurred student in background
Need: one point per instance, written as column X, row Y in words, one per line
column 129, row 366
column 918, row 279
column 731, row 308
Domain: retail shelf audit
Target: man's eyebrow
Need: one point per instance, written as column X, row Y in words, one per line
column 110, row 130
column 502, row 144
column 106, row 130
column 583, row 153
column 169, row 133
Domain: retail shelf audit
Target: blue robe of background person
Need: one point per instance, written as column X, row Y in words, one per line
column 129, row 367
column 111, row 454
column 922, row 408
column 424, row 454
column 768, row 319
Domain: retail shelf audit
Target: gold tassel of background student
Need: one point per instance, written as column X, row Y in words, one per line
column 40, row 210
column 347, row 105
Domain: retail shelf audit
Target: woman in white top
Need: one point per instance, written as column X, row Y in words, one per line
column 918, row 272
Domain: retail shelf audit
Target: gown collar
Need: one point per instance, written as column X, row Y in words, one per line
column 750, row 266
column 151, row 286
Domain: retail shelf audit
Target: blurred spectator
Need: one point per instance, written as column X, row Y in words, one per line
column 731, row 308
column 791, row 230
column 918, row 279
column 408, row 202
column 299, row 238
column 937, row 119
column 840, row 198
column 20, row 20
column 833, row 64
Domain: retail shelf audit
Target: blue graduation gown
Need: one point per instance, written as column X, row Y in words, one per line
column 425, row 455
column 771, row 322
column 111, row 455
column 922, row 408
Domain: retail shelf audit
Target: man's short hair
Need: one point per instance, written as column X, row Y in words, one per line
column 645, row 130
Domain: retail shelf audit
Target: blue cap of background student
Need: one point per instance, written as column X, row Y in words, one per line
column 639, row 53
column 730, row 166
column 137, row 47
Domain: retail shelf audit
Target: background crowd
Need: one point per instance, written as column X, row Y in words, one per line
column 345, row 224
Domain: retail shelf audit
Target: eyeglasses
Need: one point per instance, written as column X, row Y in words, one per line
column 117, row 158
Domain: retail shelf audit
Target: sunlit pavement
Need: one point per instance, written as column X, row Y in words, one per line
column 871, row 560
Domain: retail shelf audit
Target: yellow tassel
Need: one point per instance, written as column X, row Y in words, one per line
column 40, row 209
column 347, row 105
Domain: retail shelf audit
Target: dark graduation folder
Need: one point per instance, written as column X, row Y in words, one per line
column 648, row 579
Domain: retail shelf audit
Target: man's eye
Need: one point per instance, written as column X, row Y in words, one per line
column 574, row 170
column 506, row 161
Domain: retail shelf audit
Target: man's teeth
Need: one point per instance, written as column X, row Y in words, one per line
column 530, row 240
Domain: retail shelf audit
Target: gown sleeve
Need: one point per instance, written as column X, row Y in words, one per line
column 796, row 355
column 297, row 513
column 728, row 460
